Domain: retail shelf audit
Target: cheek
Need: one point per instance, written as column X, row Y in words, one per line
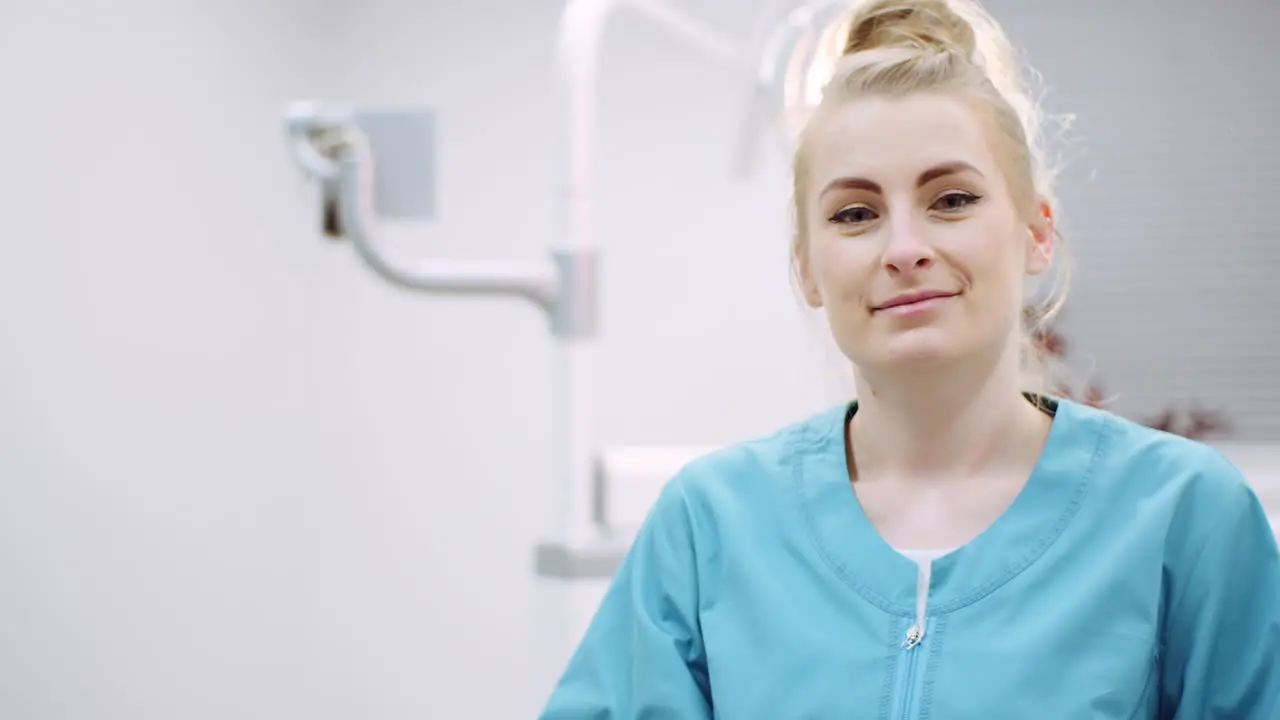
column 842, row 268
column 998, row 283
column 995, row 255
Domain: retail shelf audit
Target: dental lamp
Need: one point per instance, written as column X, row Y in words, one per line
column 379, row 163
column 373, row 163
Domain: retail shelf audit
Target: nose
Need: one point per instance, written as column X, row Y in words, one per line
column 906, row 250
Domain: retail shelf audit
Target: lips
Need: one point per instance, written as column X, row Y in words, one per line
column 915, row 297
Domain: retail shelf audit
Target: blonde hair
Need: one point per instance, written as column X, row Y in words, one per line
column 899, row 47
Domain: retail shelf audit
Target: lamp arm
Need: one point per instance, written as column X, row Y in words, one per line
column 578, row 59
column 330, row 147
column 537, row 282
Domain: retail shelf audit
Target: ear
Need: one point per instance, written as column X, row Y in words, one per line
column 1041, row 241
column 804, row 275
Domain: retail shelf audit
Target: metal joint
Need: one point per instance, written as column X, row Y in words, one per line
column 596, row 563
column 576, row 314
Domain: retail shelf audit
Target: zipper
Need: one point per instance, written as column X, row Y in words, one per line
column 910, row 680
column 909, row 689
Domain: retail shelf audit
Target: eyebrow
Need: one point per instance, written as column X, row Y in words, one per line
column 940, row 171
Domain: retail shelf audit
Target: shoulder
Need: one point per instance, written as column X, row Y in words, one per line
column 1157, row 461
column 1192, row 486
column 755, row 472
column 740, row 500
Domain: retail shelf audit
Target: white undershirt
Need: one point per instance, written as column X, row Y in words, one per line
column 925, row 556
column 924, row 562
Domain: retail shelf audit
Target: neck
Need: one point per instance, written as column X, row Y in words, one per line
column 939, row 424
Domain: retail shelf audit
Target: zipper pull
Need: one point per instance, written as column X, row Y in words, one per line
column 914, row 636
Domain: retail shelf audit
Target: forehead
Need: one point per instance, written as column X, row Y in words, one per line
column 892, row 139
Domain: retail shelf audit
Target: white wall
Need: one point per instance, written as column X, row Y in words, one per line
column 196, row 516
column 239, row 476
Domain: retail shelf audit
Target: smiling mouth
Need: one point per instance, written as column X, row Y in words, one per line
column 914, row 302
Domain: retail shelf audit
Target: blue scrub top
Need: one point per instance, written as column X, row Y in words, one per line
column 1134, row 576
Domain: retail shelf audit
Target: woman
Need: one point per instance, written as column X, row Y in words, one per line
column 951, row 545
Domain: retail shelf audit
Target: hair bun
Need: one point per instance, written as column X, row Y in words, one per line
column 926, row 25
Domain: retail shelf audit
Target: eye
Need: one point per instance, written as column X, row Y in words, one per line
column 853, row 215
column 955, row 201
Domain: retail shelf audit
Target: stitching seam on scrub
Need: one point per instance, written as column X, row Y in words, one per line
column 809, row 440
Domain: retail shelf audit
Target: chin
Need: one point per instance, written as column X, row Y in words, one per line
column 922, row 346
